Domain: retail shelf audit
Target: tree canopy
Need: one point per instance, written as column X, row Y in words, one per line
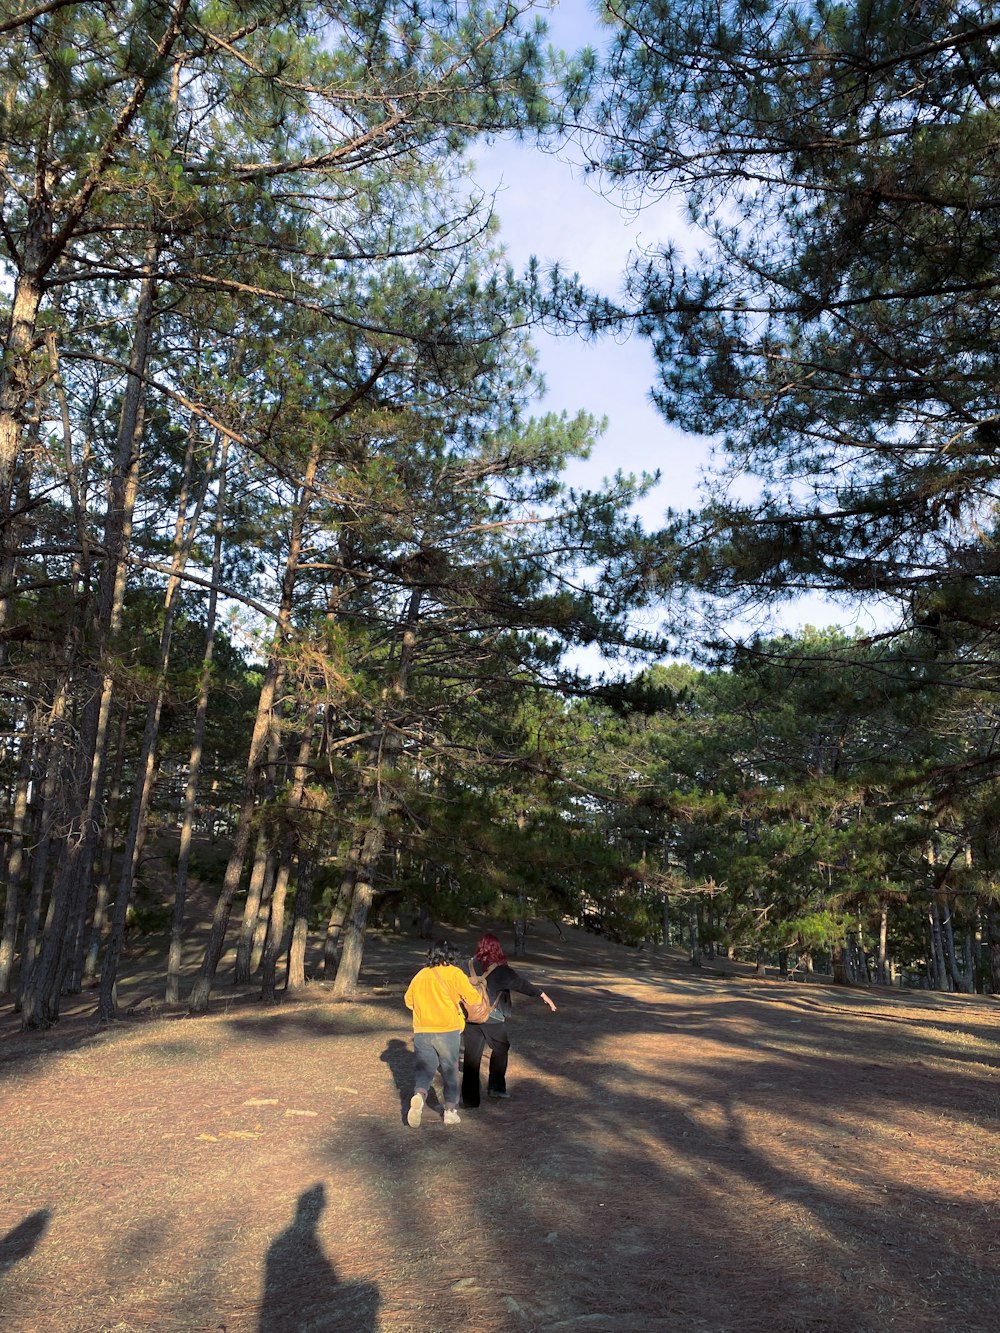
column 836, row 331
column 291, row 573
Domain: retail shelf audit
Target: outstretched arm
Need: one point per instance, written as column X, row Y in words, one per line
column 544, row 997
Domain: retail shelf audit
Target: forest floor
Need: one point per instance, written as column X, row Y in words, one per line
column 683, row 1150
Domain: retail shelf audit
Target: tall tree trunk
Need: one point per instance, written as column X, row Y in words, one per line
column 259, row 937
column 99, row 920
column 364, row 854
column 17, row 380
column 425, row 922
column 882, row 964
column 293, row 805
column 300, row 929
column 71, row 891
column 46, row 826
column 694, row 942
column 841, row 965
column 969, row 956
column 938, row 967
column 249, row 944
column 959, row 979
column 198, row 740
column 202, row 988
column 16, row 863
column 276, row 926
column 261, row 872
column 58, row 723
column 520, row 931
column 859, row 960
column 186, row 530
column 521, row 919
column 367, row 846
column 335, row 924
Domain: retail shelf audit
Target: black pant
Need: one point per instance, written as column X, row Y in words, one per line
column 476, row 1037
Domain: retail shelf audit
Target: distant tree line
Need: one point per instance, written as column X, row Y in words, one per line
column 803, row 809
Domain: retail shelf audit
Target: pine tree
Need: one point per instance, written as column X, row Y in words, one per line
column 836, row 333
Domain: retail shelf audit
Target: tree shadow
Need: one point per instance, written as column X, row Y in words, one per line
column 18, row 1243
column 771, row 1153
column 302, row 1293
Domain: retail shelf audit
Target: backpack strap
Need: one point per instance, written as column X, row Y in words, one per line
column 442, row 990
column 481, row 975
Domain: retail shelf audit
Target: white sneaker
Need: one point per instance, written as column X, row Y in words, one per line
column 416, row 1110
column 451, row 1116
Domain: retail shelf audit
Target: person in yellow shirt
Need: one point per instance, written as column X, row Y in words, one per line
column 438, row 1020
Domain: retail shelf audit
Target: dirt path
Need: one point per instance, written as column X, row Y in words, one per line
column 680, row 1152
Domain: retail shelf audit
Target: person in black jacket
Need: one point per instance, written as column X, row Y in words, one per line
column 490, row 959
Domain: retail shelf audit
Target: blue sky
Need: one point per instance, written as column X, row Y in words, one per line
column 549, row 209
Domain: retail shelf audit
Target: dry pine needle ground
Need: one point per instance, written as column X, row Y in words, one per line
column 682, row 1151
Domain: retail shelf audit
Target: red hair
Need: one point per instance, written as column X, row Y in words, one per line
column 489, row 950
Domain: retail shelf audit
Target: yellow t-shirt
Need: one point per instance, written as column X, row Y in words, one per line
column 433, row 995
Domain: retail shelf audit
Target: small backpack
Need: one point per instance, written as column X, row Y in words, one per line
column 479, row 1013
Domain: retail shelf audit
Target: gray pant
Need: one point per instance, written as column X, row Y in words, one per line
column 434, row 1050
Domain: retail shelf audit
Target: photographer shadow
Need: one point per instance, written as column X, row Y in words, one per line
column 302, row 1293
column 22, row 1239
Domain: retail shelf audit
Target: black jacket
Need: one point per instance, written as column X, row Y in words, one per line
column 499, row 984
